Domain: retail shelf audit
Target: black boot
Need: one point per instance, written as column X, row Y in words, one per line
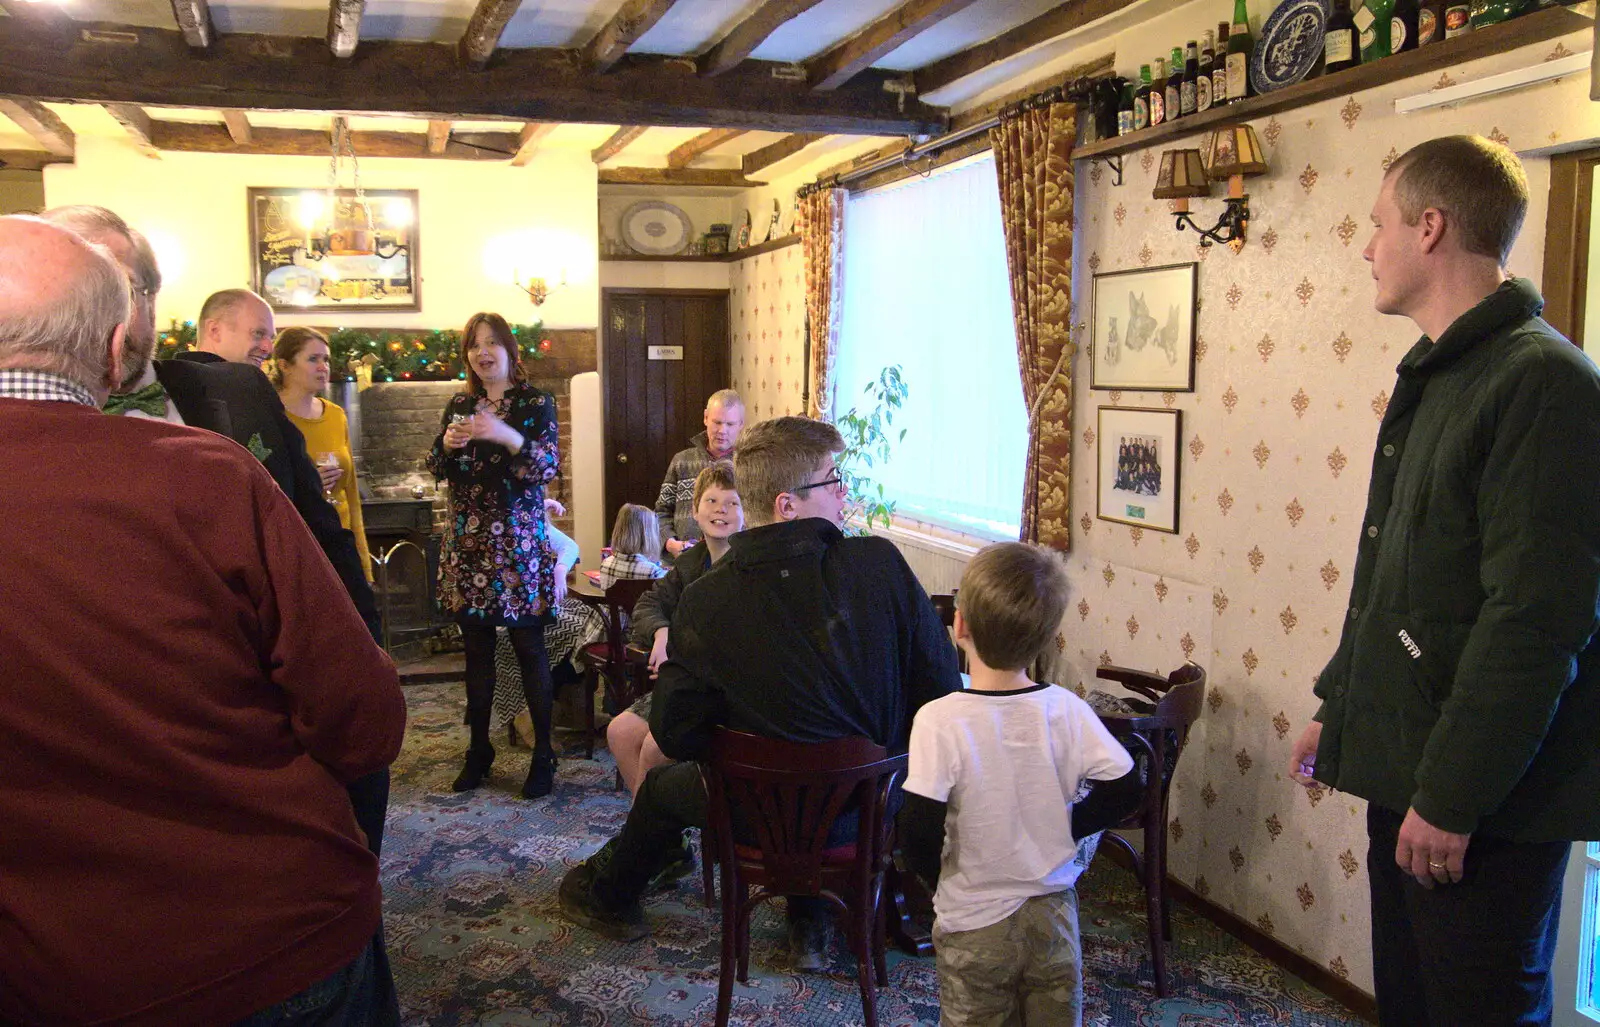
column 541, row 777
column 476, row 769
column 479, row 643
column 535, row 666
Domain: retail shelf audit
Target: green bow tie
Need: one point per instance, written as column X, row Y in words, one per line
column 152, row 400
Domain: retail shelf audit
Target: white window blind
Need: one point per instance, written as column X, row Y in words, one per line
column 926, row 287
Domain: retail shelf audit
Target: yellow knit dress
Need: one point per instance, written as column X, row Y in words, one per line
column 330, row 434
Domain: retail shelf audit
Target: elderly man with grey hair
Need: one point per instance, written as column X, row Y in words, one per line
column 185, row 696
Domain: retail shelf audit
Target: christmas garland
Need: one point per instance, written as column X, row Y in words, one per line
column 393, row 355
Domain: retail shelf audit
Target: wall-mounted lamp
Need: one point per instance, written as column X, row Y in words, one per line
column 1233, row 153
column 538, row 289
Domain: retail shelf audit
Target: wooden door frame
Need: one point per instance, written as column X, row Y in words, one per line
column 1566, row 241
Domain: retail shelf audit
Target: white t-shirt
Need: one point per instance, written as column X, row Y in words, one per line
column 1008, row 764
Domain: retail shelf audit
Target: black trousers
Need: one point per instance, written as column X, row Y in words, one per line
column 1472, row 954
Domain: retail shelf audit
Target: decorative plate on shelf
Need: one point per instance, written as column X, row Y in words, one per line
column 742, row 239
column 656, row 228
column 1290, row 44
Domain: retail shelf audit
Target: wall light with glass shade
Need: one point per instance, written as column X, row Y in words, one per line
column 1233, row 152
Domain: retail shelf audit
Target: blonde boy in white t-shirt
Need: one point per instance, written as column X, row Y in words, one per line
column 996, row 768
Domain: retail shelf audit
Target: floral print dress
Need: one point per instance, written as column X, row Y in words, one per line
column 497, row 567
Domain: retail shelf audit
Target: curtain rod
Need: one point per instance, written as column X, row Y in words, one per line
column 949, row 139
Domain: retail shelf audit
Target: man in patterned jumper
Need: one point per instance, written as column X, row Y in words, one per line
column 675, row 506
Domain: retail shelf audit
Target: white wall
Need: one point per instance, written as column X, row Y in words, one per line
column 478, row 224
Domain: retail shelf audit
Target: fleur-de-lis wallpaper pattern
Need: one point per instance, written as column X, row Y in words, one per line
column 767, row 312
column 1294, row 379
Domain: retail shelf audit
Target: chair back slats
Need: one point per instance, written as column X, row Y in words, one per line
column 945, row 604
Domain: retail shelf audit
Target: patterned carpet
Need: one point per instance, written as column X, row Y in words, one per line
column 476, row 938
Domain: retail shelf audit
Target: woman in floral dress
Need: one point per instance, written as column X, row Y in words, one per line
column 497, row 448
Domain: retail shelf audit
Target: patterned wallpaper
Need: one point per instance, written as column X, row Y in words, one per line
column 1294, row 372
column 767, row 296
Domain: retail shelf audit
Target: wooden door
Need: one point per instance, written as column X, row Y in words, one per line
column 665, row 351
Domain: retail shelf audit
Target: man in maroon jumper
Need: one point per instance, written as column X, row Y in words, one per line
column 185, row 692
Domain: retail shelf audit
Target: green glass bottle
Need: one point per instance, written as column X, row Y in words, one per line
column 1240, row 43
column 1373, row 21
column 1493, row 12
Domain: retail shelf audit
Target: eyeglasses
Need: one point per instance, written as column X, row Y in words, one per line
column 836, row 482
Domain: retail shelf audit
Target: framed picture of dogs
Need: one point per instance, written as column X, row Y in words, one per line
column 1144, row 329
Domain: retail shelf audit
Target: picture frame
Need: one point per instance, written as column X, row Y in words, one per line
column 1143, row 328
column 1138, row 466
column 308, row 255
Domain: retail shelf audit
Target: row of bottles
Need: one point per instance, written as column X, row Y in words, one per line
column 1215, row 70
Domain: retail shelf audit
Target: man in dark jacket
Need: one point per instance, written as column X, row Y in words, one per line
column 1463, row 698
column 799, row 634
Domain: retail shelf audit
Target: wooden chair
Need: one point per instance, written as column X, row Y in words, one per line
column 608, row 658
column 945, row 603
column 787, row 796
column 1155, row 736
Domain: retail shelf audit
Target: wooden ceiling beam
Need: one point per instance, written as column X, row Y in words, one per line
column 296, row 142
column 425, row 81
column 528, row 141
column 624, row 29
column 742, row 41
column 194, row 21
column 784, row 148
column 344, row 26
column 238, row 124
column 136, row 123
column 1057, row 21
column 44, row 16
column 438, row 137
column 29, row 160
column 725, row 177
column 861, row 51
column 40, row 122
column 617, row 143
column 483, row 33
column 684, row 155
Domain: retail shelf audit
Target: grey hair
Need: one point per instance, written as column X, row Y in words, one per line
column 69, row 335
column 94, row 223
column 724, row 398
column 222, row 303
column 146, row 269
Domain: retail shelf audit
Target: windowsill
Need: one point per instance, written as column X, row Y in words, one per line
column 955, row 539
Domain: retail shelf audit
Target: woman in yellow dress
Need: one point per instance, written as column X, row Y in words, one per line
column 300, row 372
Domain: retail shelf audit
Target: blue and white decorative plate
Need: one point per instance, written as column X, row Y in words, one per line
column 656, row 228
column 1290, row 44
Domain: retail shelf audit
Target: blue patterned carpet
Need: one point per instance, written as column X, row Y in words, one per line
column 476, row 938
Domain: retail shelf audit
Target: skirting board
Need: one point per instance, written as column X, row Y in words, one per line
column 1315, row 974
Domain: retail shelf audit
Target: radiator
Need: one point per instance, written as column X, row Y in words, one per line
column 937, row 563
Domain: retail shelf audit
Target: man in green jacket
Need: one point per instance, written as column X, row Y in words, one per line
column 1463, row 701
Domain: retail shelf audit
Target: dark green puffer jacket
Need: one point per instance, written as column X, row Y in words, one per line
column 1466, row 684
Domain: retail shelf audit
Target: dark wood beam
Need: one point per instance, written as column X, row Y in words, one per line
column 40, row 122
column 238, row 123
column 194, row 21
column 438, row 137
column 618, row 142
column 784, row 148
column 344, row 26
column 684, row 155
column 484, row 30
column 677, row 176
column 528, row 141
column 136, row 123
column 624, row 29
column 742, row 41
column 296, row 142
column 861, row 51
column 29, row 160
column 424, row 80
column 43, row 16
column 1055, row 22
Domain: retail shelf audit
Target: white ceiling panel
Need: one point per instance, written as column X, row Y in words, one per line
column 821, row 27
column 965, row 29
column 693, row 26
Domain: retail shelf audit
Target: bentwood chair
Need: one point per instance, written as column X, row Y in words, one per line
column 945, row 604
column 1155, row 735
column 607, row 659
column 772, row 807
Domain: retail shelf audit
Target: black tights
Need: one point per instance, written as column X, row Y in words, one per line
column 529, row 646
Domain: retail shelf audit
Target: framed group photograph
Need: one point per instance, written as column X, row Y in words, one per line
column 1144, row 329
column 307, row 253
column 1136, row 470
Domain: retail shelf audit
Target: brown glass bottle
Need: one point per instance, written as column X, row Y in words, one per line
column 1339, row 46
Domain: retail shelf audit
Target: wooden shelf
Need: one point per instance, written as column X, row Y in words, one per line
column 709, row 258
column 1538, row 27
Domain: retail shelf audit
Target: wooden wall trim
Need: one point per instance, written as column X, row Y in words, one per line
column 1566, row 241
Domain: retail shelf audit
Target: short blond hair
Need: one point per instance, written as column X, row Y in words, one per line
column 1478, row 184
column 1012, row 597
column 777, row 456
column 717, row 475
column 725, row 398
column 636, row 532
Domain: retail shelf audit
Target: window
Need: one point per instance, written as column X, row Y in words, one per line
column 926, row 287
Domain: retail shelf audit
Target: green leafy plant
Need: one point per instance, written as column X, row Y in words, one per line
column 869, row 439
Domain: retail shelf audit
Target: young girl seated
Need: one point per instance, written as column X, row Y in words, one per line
column 635, row 556
column 719, row 514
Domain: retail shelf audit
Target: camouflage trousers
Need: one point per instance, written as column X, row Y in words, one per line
column 1025, row 971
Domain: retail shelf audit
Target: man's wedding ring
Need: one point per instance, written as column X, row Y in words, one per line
column 1436, row 866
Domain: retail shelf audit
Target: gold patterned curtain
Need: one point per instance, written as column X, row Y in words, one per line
column 822, row 242
column 1033, row 160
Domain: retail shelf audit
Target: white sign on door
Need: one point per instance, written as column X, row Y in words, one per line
column 666, row 353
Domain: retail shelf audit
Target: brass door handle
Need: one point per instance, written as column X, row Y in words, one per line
column 622, row 458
